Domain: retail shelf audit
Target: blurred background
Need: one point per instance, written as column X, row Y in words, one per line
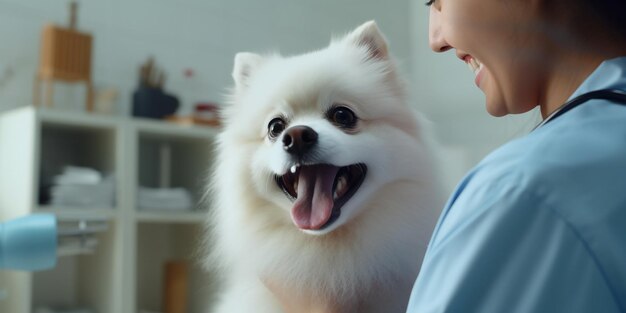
column 195, row 41
column 179, row 54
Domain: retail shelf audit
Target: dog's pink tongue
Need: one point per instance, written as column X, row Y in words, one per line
column 315, row 202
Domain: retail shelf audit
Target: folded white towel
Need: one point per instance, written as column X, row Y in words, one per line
column 173, row 199
column 100, row 195
column 78, row 175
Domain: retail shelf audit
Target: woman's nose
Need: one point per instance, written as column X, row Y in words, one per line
column 435, row 35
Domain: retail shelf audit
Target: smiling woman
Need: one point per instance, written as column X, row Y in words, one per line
column 526, row 53
column 538, row 225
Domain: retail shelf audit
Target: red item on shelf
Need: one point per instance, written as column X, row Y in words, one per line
column 207, row 110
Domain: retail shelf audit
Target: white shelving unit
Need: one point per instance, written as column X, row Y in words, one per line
column 125, row 274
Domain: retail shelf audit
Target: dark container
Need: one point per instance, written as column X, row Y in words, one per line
column 153, row 103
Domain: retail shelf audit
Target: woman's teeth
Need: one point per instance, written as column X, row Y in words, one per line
column 474, row 65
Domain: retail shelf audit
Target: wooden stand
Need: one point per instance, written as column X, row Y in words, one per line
column 65, row 56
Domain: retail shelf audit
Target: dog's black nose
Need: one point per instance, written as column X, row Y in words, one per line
column 299, row 139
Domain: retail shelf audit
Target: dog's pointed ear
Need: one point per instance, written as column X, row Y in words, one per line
column 369, row 36
column 245, row 64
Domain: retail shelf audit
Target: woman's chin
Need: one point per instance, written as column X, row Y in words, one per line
column 495, row 106
column 496, row 112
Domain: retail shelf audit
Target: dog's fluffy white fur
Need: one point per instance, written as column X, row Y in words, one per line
column 372, row 253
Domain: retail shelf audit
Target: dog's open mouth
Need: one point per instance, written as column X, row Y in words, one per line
column 319, row 191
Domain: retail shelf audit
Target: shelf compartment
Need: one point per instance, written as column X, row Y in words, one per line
column 173, row 161
column 83, row 281
column 158, row 243
column 92, row 146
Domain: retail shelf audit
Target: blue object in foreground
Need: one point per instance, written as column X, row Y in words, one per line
column 29, row 243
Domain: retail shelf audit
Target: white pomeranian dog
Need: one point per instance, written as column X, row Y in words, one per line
column 324, row 181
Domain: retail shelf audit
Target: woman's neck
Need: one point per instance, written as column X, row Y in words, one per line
column 571, row 67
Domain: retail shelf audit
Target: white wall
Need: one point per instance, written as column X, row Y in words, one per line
column 197, row 34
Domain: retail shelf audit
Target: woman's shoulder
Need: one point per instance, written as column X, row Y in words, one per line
column 588, row 142
column 574, row 163
column 573, row 166
column 577, row 176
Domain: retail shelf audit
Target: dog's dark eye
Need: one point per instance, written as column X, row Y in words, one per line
column 275, row 127
column 342, row 116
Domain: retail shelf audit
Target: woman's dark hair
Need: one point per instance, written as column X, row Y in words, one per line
column 613, row 12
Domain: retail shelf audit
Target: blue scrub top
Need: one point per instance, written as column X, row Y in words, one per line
column 540, row 224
